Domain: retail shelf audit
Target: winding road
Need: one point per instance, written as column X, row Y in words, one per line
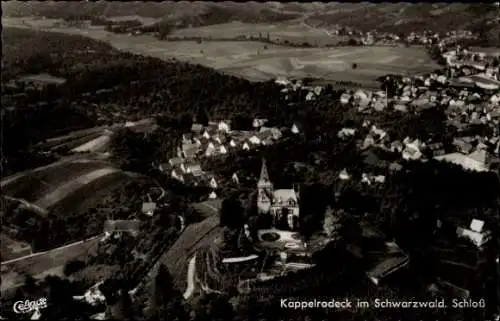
column 190, row 278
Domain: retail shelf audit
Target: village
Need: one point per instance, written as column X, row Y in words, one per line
column 459, row 103
column 466, row 102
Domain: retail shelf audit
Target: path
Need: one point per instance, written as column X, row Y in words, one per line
column 50, row 251
column 190, row 278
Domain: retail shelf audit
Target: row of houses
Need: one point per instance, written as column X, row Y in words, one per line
column 215, row 140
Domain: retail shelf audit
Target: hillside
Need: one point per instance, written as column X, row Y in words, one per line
column 392, row 17
column 181, row 13
column 408, row 17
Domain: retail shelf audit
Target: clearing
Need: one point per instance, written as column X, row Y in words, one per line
column 250, row 59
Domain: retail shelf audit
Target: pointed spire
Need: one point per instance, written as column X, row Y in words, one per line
column 264, row 176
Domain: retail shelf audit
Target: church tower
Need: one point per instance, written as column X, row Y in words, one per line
column 264, row 190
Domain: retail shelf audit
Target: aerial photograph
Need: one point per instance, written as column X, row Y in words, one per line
column 250, row 161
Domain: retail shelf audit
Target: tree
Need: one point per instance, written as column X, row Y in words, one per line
column 167, row 300
column 232, row 212
column 73, row 266
column 120, row 306
column 214, row 307
column 133, row 150
column 331, row 224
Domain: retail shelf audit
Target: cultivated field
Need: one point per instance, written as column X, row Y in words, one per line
column 98, row 144
column 33, row 185
column 293, row 32
column 57, row 194
column 43, row 264
column 250, row 60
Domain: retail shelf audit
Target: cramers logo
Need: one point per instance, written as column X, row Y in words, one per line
column 29, row 305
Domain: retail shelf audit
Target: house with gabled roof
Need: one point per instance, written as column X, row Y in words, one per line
column 475, row 233
column 273, row 131
column 254, row 140
column 191, row 167
column 235, row 178
column 343, row 175
column 210, row 149
column 187, row 137
column 233, row 143
column 213, row 183
column 120, row 226
column 259, row 122
column 148, row 208
column 175, row 161
column 177, row 174
column 224, row 126
column 197, row 129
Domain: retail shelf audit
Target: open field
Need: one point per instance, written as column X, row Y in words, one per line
column 249, row 59
column 52, row 197
column 35, row 184
column 41, row 264
column 293, row 32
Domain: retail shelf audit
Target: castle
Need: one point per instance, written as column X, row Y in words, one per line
column 282, row 204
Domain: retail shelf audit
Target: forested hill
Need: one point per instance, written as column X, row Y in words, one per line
column 104, row 85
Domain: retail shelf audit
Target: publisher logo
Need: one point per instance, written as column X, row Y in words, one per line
column 27, row 306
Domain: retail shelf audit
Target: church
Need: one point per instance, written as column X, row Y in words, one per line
column 282, row 204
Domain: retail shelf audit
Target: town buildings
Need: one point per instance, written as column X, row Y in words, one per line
column 281, row 204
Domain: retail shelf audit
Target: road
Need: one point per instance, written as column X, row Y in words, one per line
column 50, row 251
column 190, row 278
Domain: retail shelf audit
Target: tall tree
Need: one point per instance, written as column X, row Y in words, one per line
column 232, row 212
column 214, row 307
column 167, row 301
